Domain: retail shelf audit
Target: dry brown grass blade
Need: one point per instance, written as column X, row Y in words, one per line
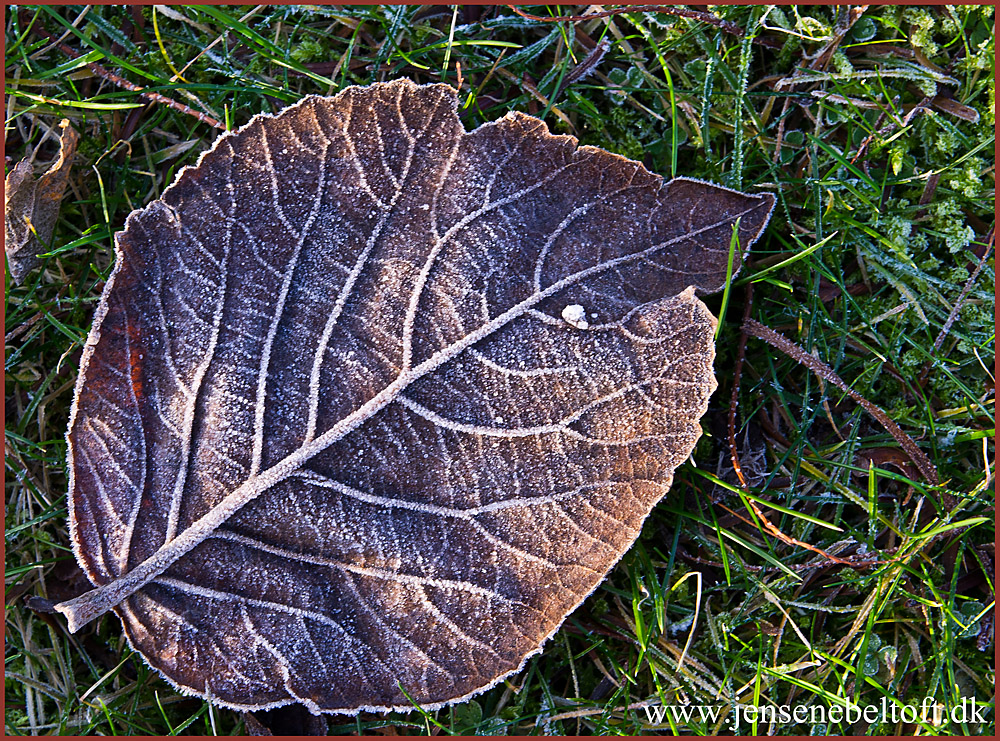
column 919, row 458
column 585, row 68
column 819, row 62
column 953, row 314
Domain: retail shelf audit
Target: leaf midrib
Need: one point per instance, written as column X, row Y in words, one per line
column 96, row 602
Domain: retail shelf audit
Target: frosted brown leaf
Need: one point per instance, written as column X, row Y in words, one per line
column 31, row 206
column 371, row 403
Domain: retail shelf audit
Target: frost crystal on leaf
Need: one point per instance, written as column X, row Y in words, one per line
column 575, row 315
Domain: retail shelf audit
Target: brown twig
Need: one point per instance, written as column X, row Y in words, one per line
column 734, row 455
column 741, row 348
column 827, row 373
column 771, row 528
column 131, row 86
column 727, row 26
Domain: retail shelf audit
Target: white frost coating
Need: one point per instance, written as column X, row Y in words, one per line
column 576, row 316
column 291, row 465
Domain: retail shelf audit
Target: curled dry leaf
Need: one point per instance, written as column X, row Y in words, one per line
column 335, row 441
column 31, row 206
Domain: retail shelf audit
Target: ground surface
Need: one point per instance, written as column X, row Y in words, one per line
column 874, row 130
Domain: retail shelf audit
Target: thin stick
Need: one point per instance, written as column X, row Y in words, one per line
column 786, row 539
column 122, row 82
column 827, row 373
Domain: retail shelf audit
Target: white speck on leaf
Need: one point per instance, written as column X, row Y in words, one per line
column 575, row 315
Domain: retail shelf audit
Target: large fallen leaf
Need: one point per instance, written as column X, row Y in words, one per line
column 31, row 206
column 371, row 403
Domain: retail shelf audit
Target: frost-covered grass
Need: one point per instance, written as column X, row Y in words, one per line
column 878, row 139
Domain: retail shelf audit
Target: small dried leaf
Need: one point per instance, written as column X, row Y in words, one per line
column 31, row 206
column 371, row 403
